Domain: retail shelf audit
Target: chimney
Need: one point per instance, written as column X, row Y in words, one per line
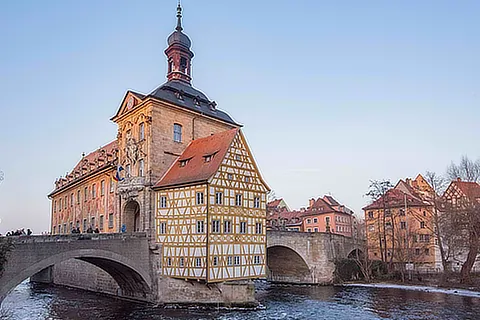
column 311, row 202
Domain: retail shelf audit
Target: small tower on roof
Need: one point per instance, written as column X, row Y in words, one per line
column 178, row 53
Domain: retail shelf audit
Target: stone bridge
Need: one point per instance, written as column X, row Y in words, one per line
column 300, row 257
column 125, row 257
column 293, row 257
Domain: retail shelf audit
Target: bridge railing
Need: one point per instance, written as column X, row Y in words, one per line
column 76, row 237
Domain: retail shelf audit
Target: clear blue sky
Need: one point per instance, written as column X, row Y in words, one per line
column 332, row 94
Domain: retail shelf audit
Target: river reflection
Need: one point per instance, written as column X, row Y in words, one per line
column 32, row 301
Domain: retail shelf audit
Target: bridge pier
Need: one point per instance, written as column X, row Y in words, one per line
column 44, row 276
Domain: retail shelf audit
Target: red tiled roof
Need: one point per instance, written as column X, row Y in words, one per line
column 470, row 189
column 274, row 203
column 195, row 168
column 395, row 198
column 90, row 158
column 331, row 201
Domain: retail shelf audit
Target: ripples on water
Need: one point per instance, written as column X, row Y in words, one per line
column 35, row 302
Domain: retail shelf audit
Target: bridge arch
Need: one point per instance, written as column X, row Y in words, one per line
column 285, row 264
column 133, row 281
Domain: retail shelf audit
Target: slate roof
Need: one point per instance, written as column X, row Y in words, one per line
column 186, row 96
column 195, row 169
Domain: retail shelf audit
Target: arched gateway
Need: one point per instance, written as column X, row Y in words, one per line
column 131, row 214
column 125, row 258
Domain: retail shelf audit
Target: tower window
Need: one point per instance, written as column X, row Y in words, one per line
column 183, row 64
column 141, row 168
column 177, row 132
column 170, row 66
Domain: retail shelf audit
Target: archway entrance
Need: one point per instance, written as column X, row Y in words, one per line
column 131, row 214
column 286, row 265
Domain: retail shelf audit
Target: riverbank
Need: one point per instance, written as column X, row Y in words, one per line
column 430, row 289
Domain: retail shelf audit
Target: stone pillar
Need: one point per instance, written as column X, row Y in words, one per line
column 44, row 276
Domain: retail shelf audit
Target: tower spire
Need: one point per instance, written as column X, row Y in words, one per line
column 179, row 17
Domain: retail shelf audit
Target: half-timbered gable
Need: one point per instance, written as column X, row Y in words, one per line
column 211, row 210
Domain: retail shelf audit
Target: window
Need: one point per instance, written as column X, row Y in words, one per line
column 200, row 199
column 60, row 204
column 243, row 227
column 230, row 176
column 94, row 191
column 216, row 226
column 238, row 200
column 227, row 226
column 258, row 228
column 215, row 261
column 327, row 221
column 309, row 230
column 102, row 187
column 59, row 228
column 424, row 213
column 218, row 198
column 402, row 212
column 309, row 221
column 198, row 262
column 65, row 202
column 177, row 132
column 71, row 200
column 65, row 228
column 236, row 260
column 141, row 167
column 71, row 226
column 84, row 225
column 388, row 224
column 163, row 202
column 238, row 157
column 54, row 229
column 315, row 220
column 417, row 251
column 183, row 64
column 403, row 225
column 110, row 220
column 247, row 179
column 200, row 226
column 422, row 224
column 128, row 170
column 256, row 202
column 55, row 206
column 100, row 222
column 78, row 196
column 162, row 228
column 229, row 260
column 182, row 262
column 92, row 222
column 112, row 186
column 169, row 262
column 85, row 194
column 256, row 260
column 208, row 158
column 141, row 131
column 315, row 229
column 78, row 224
column 388, row 213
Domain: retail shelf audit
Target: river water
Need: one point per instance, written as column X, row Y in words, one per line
column 35, row 301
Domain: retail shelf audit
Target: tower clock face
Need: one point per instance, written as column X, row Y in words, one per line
column 130, row 103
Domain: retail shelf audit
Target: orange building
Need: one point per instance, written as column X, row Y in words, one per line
column 399, row 225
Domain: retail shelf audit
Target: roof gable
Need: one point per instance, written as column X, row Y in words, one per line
column 129, row 102
column 200, row 160
column 471, row 190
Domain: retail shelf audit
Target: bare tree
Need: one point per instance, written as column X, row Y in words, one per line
column 467, row 170
column 378, row 191
column 442, row 229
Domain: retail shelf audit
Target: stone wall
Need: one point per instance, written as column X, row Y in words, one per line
column 83, row 275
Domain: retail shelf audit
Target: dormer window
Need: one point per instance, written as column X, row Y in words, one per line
column 178, row 95
column 208, row 158
column 196, row 101
column 183, row 163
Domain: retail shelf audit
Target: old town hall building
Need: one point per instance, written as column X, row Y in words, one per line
column 180, row 170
